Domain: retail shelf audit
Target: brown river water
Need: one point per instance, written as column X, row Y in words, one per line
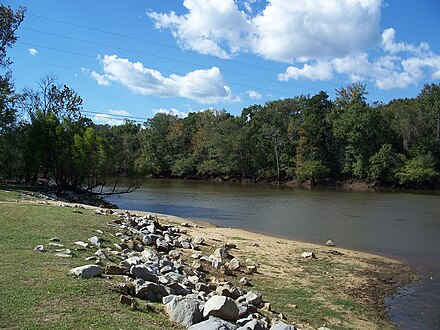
column 401, row 225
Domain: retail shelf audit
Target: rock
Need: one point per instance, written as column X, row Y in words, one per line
column 323, row 328
column 329, row 243
column 253, row 298
column 150, row 291
column 234, row 264
column 221, row 306
column 115, row 270
column 96, row 241
column 251, row 269
column 231, row 245
column 202, row 287
column 174, row 254
column 184, row 224
column 282, row 326
column 127, row 300
column 253, row 325
column 186, row 245
column 198, row 240
column 221, row 254
column 213, row 323
column 308, row 255
column 186, row 312
column 54, row 239
column 39, row 248
column 57, row 245
column 179, row 289
column 87, row 271
column 197, row 265
column 143, row 272
column 63, row 255
column 162, row 245
column 250, row 262
column 196, row 255
column 101, row 254
column 82, row 244
column 244, row 281
column 216, row 264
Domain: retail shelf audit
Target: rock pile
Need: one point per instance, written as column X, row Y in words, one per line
column 161, row 263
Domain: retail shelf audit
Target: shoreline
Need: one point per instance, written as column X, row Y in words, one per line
column 363, row 278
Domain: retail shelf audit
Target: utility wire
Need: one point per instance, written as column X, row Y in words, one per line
column 191, row 51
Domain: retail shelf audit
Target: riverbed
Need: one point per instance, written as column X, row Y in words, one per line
column 401, row 225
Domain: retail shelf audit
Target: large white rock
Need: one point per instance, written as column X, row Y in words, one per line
column 187, row 312
column 213, row 323
column 282, row 326
column 87, row 271
column 222, row 307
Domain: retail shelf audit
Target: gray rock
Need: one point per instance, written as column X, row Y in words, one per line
column 213, row 323
column 308, row 255
column 129, row 262
column 251, row 269
column 147, row 240
column 282, row 326
column 202, row 287
column 101, row 254
column 253, row 325
column 143, row 272
column 63, row 255
column 244, row 281
column 329, row 243
column 234, row 264
column 39, row 248
column 187, row 312
column 96, row 241
column 198, row 240
column 253, row 298
column 162, row 245
column 186, row 245
column 221, row 306
column 221, row 254
column 87, row 271
column 150, row 291
column 81, row 244
column 58, row 245
column 174, row 254
column 54, row 239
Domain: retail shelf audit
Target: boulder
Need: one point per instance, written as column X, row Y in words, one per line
column 143, row 272
column 213, row 323
column 221, row 306
column 115, row 270
column 96, row 241
column 244, row 281
column 87, row 271
column 186, row 312
column 162, row 245
column 234, row 264
column 221, row 254
column 282, row 326
column 253, row 298
column 150, row 291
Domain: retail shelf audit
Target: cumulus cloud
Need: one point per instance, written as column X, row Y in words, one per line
column 253, row 95
column 172, row 112
column 119, row 112
column 32, row 51
column 204, row 86
column 283, row 31
column 401, row 65
column 321, row 70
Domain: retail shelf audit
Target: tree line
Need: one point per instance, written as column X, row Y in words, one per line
column 307, row 138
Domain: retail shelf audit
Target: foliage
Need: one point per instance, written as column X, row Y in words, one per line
column 418, row 170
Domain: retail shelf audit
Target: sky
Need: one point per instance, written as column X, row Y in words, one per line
column 136, row 58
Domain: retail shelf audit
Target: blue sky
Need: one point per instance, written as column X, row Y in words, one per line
column 136, row 58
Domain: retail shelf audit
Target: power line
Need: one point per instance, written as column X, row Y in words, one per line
column 191, row 51
column 170, row 59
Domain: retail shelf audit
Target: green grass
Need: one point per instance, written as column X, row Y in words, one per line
column 36, row 290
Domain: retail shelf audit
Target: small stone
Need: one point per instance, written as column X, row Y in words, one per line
column 82, row 244
column 234, row 264
column 252, row 269
column 87, row 271
column 39, row 248
column 63, row 255
column 54, row 239
column 197, row 265
column 184, row 224
column 58, row 245
column 244, row 281
column 96, row 241
column 198, row 240
column 250, row 262
column 101, row 254
column 282, row 326
column 329, row 243
column 174, row 254
column 308, row 255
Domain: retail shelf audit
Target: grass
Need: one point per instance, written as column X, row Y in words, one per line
column 36, row 290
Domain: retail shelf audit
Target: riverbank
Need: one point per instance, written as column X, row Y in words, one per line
column 341, row 289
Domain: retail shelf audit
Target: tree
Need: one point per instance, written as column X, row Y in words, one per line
column 313, row 152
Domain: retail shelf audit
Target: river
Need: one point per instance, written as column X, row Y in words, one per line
column 401, row 225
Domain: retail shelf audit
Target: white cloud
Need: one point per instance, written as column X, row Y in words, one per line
column 389, row 45
column 321, row 70
column 102, row 80
column 106, row 119
column 172, row 111
column 32, row 51
column 119, row 112
column 253, row 95
column 283, row 31
column 204, row 86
